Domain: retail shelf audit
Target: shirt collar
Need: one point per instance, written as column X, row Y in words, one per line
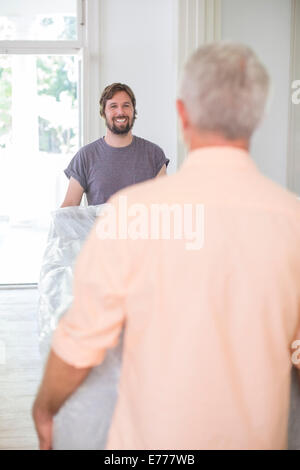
column 220, row 156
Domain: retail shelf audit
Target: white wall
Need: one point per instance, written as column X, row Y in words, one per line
column 265, row 26
column 138, row 47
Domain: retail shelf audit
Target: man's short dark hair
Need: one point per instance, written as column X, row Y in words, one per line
column 110, row 91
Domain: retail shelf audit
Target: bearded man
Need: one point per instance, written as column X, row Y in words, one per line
column 118, row 159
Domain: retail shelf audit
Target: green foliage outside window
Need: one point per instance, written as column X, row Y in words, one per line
column 55, row 79
column 54, row 76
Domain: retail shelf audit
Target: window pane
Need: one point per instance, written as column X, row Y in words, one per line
column 39, row 135
column 38, row 20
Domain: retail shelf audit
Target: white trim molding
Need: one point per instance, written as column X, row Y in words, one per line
column 293, row 155
column 36, row 47
column 91, row 71
column 212, row 25
column 199, row 22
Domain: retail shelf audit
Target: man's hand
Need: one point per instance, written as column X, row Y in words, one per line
column 44, row 426
column 162, row 171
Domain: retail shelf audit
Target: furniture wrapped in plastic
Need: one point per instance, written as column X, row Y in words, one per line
column 84, row 419
column 294, row 416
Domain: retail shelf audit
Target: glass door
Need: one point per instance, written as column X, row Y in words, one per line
column 39, row 129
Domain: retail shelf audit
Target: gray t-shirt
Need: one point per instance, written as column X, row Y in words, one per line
column 103, row 170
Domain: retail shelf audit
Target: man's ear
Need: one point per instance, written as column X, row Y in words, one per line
column 182, row 113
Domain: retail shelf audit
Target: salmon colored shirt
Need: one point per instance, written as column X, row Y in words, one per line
column 206, row 359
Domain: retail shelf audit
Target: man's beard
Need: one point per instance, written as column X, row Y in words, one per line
column 120, row 130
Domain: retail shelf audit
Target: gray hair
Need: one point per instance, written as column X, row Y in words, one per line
column 225, row 88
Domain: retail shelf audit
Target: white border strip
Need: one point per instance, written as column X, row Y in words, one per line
column 199, row 22
column 293, row 154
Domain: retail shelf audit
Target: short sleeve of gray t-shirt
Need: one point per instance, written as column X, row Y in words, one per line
column 103, row 170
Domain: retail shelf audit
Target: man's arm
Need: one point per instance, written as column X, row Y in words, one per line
column 92, row 325
column 74, row 194
column 162, row 171
column 59, row 382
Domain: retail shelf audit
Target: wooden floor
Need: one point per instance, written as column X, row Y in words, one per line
column 20, row 368
column 20, row 372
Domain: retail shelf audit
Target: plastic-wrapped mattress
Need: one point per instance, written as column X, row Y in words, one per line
column 294, row 416
column 84, row 419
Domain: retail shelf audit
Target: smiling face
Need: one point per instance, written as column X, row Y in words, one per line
column 119, row 113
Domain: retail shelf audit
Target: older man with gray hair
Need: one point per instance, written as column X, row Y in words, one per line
column 208, row 332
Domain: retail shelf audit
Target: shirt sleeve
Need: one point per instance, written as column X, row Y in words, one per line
column 76, row 169
column 160, row 160
column 295, row 346
column 95, row 319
